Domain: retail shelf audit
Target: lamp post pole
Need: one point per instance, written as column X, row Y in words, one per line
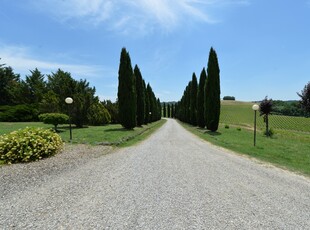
column 255, row 108
column 69, row 101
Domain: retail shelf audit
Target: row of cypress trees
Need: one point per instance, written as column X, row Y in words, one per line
column 200, row 104
column 168, row 110
column 137, row 104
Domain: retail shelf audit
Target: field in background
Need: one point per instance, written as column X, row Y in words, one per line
column 241, row 114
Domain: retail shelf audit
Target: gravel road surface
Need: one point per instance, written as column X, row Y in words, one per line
column 173, row 180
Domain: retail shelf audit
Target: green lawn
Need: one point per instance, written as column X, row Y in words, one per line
column 109, row 134
column 289, row 148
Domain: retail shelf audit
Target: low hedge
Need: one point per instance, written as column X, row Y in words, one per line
column 29, row 144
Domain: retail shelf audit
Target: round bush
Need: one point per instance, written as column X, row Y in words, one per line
column 29, row 144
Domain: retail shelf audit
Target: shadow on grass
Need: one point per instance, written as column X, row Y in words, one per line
column 213, row 133
column 117, row 129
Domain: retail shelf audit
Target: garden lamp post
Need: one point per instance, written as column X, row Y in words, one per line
column 255, row 107
column 69, row 101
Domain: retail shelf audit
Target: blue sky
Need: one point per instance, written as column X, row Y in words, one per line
column 262, row 45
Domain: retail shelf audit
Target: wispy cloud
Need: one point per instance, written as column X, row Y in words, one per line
column 134, row 15
column 22, row 60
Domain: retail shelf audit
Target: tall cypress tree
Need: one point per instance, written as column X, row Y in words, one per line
column 140, row 96
column 169, row 111
column 164, row 110
column 147, row 104
column 193, row 100
column 127, row 101
column 200, row 99
column 158, row 110
column 188, row 102
column 172, row 110
column 212, row 91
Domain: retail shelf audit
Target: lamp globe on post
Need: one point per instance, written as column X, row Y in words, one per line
column 69, row 101
column 255, row 107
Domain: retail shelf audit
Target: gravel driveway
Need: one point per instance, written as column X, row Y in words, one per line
column 173, row 180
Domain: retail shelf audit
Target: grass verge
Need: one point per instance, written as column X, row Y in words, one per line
column 113, row 134
column 287, row 149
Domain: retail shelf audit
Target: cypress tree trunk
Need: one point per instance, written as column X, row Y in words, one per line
column 126, row 92
column 212, row 91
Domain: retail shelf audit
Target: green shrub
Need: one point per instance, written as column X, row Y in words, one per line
column 54, row 119
column 29, row 144
column 18, row 113
column 239, row 129
column 270, row 133
column 98, row 115
column 226, row 126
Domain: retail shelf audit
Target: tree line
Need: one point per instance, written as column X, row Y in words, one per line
column 200, row 104
column 168, row 110
column 24, row 100
column 137, row 102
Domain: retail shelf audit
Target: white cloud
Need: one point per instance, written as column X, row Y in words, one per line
column 134, row 15
column 21, row 60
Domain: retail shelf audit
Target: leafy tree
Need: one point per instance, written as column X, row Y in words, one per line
column 200, row 99
column 50, row 103
column 265, row 109
column 83, row 97
column 193, row 100
column 10, row 87
column 140, row 96
column 229, row 98
column 62, row 85
column 212, row 93
column 54, row 119
column 98, row 114
column 36, row 86
column 18, row 113
column 127, row 97
column 112, row 109
column 305, row 99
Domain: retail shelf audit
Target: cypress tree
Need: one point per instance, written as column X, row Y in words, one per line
column 188, row 102
column 147, row 105
column 158, row 110
column 169, row 111
column 164, row 110
column 151, row 102
column 172, row 110
column 140, row 96
column 193, row 100
column 200, row 99
column 127, row 98
column 212, row 91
